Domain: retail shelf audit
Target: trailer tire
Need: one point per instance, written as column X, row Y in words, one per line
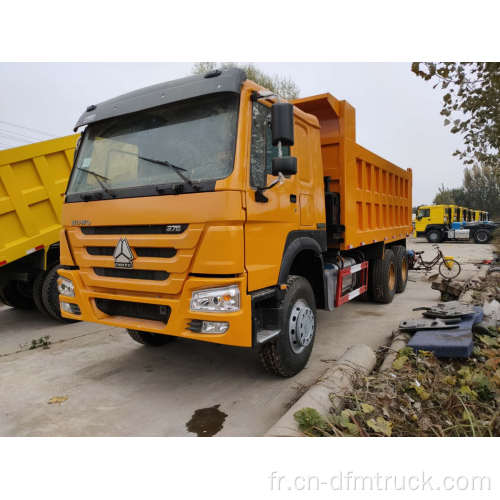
column 383, row 278
column 401, row 258
column 37, row 293
column 289, row 353
column 482, row 236
column 50, row 295
column 150, row 339
column 14, row 294
column 434, row 236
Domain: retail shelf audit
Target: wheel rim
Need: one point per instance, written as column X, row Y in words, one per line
column 404, row 269
column 481, row 236
column 433, row 237
column 300, row 326
column 392, row 276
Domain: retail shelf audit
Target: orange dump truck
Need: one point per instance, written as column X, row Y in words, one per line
column 207, row 208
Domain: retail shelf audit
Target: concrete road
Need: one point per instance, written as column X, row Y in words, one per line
column 115, row 387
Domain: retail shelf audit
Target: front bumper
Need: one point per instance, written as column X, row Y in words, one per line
column 240, row 322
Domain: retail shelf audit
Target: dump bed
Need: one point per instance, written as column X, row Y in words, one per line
column 375, row 194
column 33, row 180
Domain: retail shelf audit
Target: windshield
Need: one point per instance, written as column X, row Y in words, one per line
column 186, row 143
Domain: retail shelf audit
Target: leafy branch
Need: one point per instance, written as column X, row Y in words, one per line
column 471, row 106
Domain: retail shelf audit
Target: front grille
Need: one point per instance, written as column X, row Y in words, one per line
column 134, row 309
column 101, row 250
column 146, row 229
column 139, row 274
column 163, row 253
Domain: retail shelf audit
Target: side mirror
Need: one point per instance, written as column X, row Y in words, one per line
column 286, row 165
column 419, row 217
column 282, row 124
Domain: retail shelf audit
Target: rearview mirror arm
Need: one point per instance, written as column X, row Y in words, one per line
column 259, row 192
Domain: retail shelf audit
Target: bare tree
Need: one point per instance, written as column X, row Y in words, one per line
column 284, row 86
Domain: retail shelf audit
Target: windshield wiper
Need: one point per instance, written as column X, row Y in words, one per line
column 175, row 168
column 98, row 178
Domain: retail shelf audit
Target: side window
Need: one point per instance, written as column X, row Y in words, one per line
column 424, row 212
column 262, row 151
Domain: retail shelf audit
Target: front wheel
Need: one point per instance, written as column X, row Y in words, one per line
column 434, row 236
column 290, row 352
column 150, row 339
column 50, row 295
column 449, row 269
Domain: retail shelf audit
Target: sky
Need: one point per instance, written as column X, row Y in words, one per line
column 397, row 114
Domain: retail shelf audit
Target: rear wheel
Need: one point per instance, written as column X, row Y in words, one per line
column 37, row 293
column 150, row 339
column 383, row 278
column 434, row 236
column 18, row 294
column 482, row 236
column 289, row 353
column 401, row 259
column 50, row 295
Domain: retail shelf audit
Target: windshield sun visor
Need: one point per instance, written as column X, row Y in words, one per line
column 229, row 80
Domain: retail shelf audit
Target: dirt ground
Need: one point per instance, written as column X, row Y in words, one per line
column 115, row 387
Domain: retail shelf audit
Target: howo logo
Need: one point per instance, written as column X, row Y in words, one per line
column 123, row 254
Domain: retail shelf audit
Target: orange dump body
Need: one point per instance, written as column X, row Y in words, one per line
column 375, row 194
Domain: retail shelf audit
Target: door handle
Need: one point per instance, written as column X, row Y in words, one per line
column 293, row 198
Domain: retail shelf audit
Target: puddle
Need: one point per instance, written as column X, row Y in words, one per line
column 206, row 421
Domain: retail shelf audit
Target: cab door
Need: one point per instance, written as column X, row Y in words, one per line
column 423, row 219
column 273, row 213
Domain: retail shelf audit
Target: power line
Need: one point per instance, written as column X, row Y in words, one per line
column 5, row 138
column 15, row 135
column 9, row 145
column 27, row 128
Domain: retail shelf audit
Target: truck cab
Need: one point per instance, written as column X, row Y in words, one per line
column 432, row 220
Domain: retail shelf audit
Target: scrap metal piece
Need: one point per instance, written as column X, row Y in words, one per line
column 412, row 325
column 448, row 310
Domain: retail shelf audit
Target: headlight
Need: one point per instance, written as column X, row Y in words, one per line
column 225, row 299
column 65, row 287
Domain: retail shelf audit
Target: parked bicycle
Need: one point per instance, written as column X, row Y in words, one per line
column 448, row 268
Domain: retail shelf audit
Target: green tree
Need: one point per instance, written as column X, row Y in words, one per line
column 449, row 196
column 281, row 85
column 471, row 106
column 480, row 190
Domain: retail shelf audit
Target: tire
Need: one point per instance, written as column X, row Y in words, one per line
column 289, row 353
column 434, row 236
column 37, row 293
column 482, row 236
column 150, row 339
column 50, row 295
column 448, row 273
column 383, row 278
column 17, row 294
column 401, row 259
